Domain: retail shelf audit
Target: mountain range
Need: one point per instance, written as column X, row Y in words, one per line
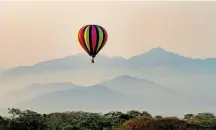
column 101, row 98
column 157, row 80
column 156, row 57
column 152, row 65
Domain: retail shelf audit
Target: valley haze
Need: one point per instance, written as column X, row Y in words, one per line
column 157, row 81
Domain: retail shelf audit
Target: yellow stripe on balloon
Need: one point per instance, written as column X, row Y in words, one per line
column 77, row 37
column 100, row 31
column 86, row 37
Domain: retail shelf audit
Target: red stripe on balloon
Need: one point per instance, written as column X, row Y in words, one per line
column 105, row 37
column 94, row 38
column 81, row 39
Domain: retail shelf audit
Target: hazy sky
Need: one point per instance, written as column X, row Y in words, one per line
column 31, row 32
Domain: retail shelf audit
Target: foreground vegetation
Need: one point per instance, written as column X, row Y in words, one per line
column 132, row 120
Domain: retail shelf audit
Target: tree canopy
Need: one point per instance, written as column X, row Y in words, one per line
column 115, row 120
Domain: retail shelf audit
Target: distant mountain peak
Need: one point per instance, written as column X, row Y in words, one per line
column 155, row 52
column 159, row 50
column 157, row 55
column 125, row 77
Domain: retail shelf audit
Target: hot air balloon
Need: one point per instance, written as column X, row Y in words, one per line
column 92, row 38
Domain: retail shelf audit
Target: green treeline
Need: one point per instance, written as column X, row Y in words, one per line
column 131, row 120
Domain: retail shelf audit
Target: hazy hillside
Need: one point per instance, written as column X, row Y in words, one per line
column 2, row 70
column 90, row 99
column 136, row 86
column 102, row 99
column 33, row 90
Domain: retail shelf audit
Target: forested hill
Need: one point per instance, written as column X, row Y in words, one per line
column 116, row 120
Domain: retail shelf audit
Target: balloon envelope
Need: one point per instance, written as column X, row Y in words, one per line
column 92, row 38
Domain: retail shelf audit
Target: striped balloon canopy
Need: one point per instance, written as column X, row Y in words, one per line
column 92, row 38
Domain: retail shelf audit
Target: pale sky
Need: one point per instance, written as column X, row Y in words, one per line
column 31, row 32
